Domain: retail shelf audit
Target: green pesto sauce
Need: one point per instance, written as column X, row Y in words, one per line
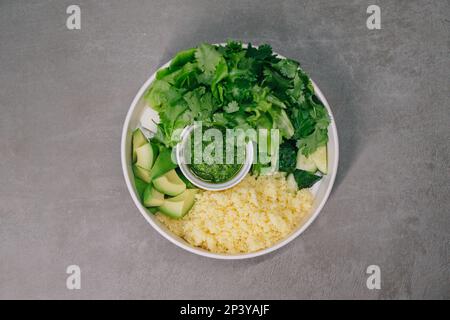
column 215, row 172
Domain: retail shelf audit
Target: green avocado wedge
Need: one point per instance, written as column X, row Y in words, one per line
column 320, row 159
column 152, row 197
column 138, row 140
column 178, row 206
column 305, row 163
column 169, row 184
column 142, row 173
column 144, row 156
column 163, row 164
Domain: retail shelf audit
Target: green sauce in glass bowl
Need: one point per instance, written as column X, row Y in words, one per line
column 210, row 171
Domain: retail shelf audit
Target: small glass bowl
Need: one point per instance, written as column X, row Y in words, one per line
column 184, row 167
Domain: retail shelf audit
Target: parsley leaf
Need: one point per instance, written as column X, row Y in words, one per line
column 287, row 68
column 231, row 107
column 207, row 58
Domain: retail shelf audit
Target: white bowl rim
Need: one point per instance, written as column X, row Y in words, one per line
column 205, row 253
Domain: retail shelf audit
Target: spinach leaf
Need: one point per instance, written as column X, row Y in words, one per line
column 305, row 179
column 287, row 156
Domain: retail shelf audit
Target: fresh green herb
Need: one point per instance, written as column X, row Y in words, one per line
column 288, row 156
column 208, row 58
column 231, row 107
column 305, row 179
column 235, row 87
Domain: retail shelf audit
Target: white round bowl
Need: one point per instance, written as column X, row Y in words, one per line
column 321, row 190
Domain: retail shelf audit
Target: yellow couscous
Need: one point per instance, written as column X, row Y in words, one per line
column 249, row 217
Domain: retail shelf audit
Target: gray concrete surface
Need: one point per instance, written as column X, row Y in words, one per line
column 64, row 96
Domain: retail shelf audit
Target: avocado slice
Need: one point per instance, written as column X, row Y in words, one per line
column 142, row 173
column 152, row 197
column 305, row 163
column 169, row 184
column 163, row 164
column 138, row 140
column 320, row 159
column 188, row 183
column 178, row 206
column 145, row 156
column 291, row 183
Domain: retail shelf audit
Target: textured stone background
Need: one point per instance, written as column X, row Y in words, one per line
column 64, row 96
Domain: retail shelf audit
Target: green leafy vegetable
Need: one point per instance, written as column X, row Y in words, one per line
column 183, row 57
column 282, row 122
column 231, row 107
column 140, row 186
column 288, row 156
column 220, row 73
column 287, row 68
column 177, row 62
column 305, row 179
column 236, row 87
column 207, row 58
